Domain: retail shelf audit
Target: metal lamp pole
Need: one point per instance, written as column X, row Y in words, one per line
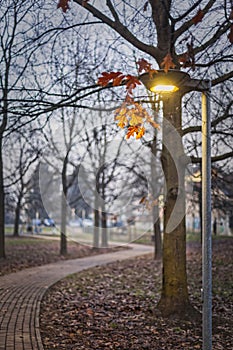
column 206, row 223
column 172, row 81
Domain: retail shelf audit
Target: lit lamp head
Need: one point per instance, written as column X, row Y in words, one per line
column 161, row 82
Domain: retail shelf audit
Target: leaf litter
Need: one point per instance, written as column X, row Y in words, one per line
column 114, row 307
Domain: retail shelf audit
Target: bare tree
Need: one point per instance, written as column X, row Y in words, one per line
column 20, row 40
column 21, row 155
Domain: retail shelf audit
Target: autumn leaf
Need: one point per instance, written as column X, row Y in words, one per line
column 188, row 58
column 137, row 114
column 140, row 133
column 135, row 118
column 131, row 83
column 230, row 35
column 131, row 114
column 121, row 116
column 185, row 60
column 117, row 78
column 138, row 130
column 198, row 18
column 111, row 77
column 131, row 131
column 167, row 63
column 63, row 4
column 143, row 65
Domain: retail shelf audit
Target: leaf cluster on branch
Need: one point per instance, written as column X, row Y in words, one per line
column 131, row 114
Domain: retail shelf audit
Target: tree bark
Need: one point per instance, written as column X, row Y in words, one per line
column 63, row 242
column 96, row 221
column 104, row 229
column 174, row 297
column 155, row 193
column 2, row 206
column 17, row 216
column 157, row 234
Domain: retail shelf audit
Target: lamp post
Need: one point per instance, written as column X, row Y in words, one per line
column 169, row 83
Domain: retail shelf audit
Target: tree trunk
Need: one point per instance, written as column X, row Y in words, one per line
column 63, row 242
column 174, row 296
column 96, row 216
column 2, row 206
column 157, row 234
column 96, row 229
column 17, row 216
column 104, row 230
column 155, row 194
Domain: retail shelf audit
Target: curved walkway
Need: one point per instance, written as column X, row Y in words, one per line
column 21, row 294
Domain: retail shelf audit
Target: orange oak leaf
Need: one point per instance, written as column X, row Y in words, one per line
column 121, row 116
column 63, row 4
column 140, row 133
column 111, row 77
column 131, row 83
column 143, row 65
column 198, row 18
column 188, row 58
column 138, row 130
column 184, row 59
column 230, row 35
column 135, row 117
column 131, row 131
column 167, row 63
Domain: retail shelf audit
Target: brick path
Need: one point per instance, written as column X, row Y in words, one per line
column 21, row 294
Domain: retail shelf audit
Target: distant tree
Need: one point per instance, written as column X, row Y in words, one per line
column 21, row 154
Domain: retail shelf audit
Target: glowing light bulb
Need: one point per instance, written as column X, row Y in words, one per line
column 164, row 88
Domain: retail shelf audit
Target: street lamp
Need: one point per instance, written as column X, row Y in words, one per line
column 168, row 83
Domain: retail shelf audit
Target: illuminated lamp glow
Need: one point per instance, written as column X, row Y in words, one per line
column 164, row 88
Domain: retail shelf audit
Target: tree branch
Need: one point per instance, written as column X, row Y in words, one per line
column 178, row 19
column 221, row 79
column 213, row 159
column 120, row 29
column 214, row 123
column 213, row 39
column 190, row 23
column 112, row 9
